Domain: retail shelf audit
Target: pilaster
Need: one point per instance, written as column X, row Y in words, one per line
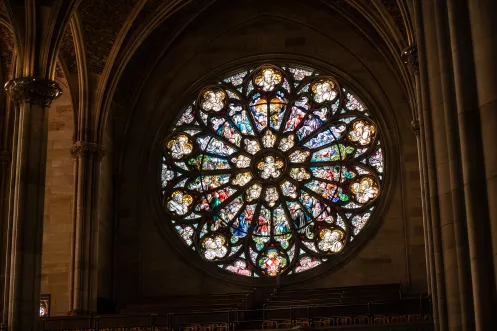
column 83, row 281
column 411, row 60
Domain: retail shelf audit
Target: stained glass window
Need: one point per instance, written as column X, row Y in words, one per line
column 272, row 171
column 44, row 305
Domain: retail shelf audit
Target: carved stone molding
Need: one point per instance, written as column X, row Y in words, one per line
column 415, row 127
column 87, row 149
column 36, row 91
column 410, row 58
column 4, row 157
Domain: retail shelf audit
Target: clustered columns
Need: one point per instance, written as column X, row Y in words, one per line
column 87, row 169
column 457, row 114
column 31, row 97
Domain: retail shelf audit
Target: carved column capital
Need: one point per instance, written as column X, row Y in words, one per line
column 410, row 58
column 87, row 149
column 5, row 157
column 415, row 127
column 36, row 91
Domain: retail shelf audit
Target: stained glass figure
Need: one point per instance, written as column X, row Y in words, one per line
column 179, row 202
column 214, row 247
column 300, row 174
column 44, row 305
column 272, row 170
column 365, row 189
column 331, row 240
column 180, row 146
column 271, row 196
column 239, row 267
column 242, row 121
column 267, row 78
column 287, row 143
column 253, row 192
column 252, row 146
column 306, row 263
column 259, row 110
column 289, row 189
column 324, row 90
column 362, row 132
column 241, row 161
column 242, row 179
column 213, row 99
column 268, row 139
column 270, row 167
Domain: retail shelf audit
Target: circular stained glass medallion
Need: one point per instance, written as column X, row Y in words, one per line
column 272, row 171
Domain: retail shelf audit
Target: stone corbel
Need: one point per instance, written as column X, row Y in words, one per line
column 410, row 58
column 87, row 149
column 415, row 127
column 36, row 91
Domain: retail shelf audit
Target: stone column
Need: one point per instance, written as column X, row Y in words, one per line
column 423, row 102
column 436, row 164
column 410, row 59
column 460, row 298
column 9, row 198
column 5, row 159
column 484, row 34
column 85, row 242
column 32, row 97
column 471, row 123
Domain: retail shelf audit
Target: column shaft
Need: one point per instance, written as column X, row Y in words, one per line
column 424, row 189
column 438, row 281
column 8, row 226
column 484, row 36
column 28, row 217
column 32, row 97
column 463, row 317
column 470, row 137
column 87, row 161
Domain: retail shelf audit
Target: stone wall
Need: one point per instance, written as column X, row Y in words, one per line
column 149, row 263
column 59, row 193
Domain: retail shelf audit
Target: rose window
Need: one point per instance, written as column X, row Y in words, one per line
column 272, row 171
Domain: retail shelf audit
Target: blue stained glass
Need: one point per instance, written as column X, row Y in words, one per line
column 313, row 205
column 227, row 131
column 311, row 124
column 323, row 138
column 259, row 110
column 242, row 223
column 242, row 121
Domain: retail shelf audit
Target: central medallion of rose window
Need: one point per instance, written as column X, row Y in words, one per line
column 270, row 167
column 272, row 171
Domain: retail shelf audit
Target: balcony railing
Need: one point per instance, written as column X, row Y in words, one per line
column 366, row 316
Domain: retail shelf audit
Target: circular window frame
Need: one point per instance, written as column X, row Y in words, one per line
column 334, row 263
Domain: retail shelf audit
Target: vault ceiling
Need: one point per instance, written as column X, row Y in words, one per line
column 121, row 39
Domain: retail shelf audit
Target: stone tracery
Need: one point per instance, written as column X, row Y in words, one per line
column 276, row 160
